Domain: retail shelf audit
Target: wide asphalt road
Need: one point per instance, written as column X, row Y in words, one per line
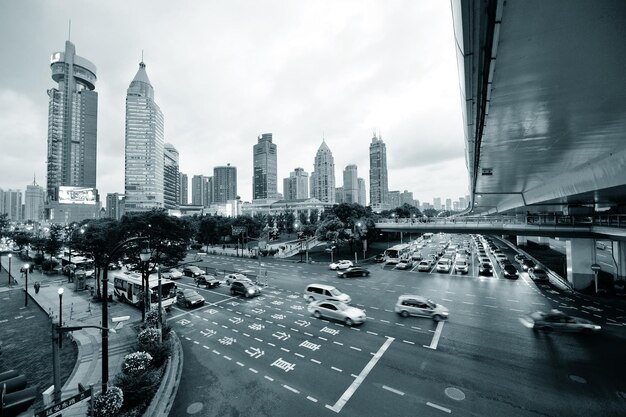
column 267, row 356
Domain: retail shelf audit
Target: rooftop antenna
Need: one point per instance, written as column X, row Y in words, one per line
column 323, row 138
column 69, row 31
column 142, row 55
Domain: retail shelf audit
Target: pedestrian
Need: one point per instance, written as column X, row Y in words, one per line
column 37, row 286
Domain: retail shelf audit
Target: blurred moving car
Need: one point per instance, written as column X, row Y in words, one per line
column 172, row 273
column 424, row 266
column 354, row 271
column 232, row 277
column 379, row 258
column 485, row 269
column 342, row 264
column 538, row 274
column 245, row 288
column 189, row 298
column 209, row 281
column 337, row 310
column 192, row 271
column 557, row 320
column 415, row 305
column 315, row 292
column 527, row 264
column 509, row 271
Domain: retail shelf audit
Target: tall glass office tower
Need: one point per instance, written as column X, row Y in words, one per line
column 72, row 123
column 265, row 175
column 323, row 175
column 143, row 185
column 379, row 185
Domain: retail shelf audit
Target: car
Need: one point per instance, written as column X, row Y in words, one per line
column 405, row 264
column 209, row 281
column 500, row 255
column 343, row 264
column 192, row 271
column 461, row 266
column 485, row 269
column 485, row 260
column 509, row 271
column 354, row 271
column 444, row 265
column 557, row 320
column 424, row 266
column 318, row 292
column 415, row 305
column 379, row 258
column 519, row 258
column 229, row 278
column 171, row 273
column 337, row 310
column 527, row 264
column 538, row 274
column 417, row 256
column 189, row 298
column 244, row 287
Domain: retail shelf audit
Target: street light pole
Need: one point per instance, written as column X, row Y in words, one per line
column 10, row 257
column 60, row 291
column 160, row 314
column 26, row 268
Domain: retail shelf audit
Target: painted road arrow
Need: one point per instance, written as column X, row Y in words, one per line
column 255, row 352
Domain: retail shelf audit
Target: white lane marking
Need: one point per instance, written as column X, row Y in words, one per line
column 323, row 338
column 239, row 363
column 514, row 309
column 384, row 321
column 228, row 358
column 299, row 355
column 338, row 343
column 285, row 350
column 271, row 344
column 268, row 378
column 336, row 369
column 216, row 352
column 395, row 391
column 375, row 334
column 446, row 299
column 355, row 348
column 291, row 389
column 258, row 340
column 438, row 407
column 206, row 347
column 513, row 301
column 253, row 370
column 399, row 324
column 197, row 343
column 467, row 302
column 409, row 342
column 316, row 361
column 311, row 399
column 435, row 341
column 487, row 305
column 359, row 379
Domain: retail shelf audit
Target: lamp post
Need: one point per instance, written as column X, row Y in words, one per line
column 145, row 255
column 160, row 313
column 26, row 269
column 60, row 291
column 10, row 256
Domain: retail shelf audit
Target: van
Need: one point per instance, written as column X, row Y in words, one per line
column 315, row 292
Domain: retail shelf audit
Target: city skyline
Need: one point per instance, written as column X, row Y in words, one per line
column 366, row 80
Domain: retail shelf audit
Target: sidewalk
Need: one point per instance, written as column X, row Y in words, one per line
column 78, row 310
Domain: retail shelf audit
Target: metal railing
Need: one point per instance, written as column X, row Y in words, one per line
column 610, row 220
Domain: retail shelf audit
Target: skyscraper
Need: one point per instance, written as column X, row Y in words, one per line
column 265, row 176
column 184, row 189
column 11, row 204
column 34, row 200
column 224, row 183
column 296, row 187
column 339, row 195
column 201, row 190
column 72, row 123
column 350, row 184
column 362, row 192
column 379, row 185
column 115, row 206
column 323, row 175
column 171, row 178
column 437, row 203
column 144, row 146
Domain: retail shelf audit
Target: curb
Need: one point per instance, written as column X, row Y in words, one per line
column 163, row 399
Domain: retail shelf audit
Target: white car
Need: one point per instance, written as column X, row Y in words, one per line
column 172, row 273
column 424, row 266
column 461, row 266
column 337, row 310
column 232, row 277
column 343, row 264
column 443, row 265
column 415, row 305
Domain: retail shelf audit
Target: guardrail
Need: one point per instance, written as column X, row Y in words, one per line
column 609, row 220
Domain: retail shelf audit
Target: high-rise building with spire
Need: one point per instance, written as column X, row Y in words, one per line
column 34, row 199
column 265, row 174
column 379, row 185
column 323, row 175
column 72, row 133
column 143, row 184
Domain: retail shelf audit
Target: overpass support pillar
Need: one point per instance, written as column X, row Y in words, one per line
column 522, row 241
column 619, row 254
column 581, row 253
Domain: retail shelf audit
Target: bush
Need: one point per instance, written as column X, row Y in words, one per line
column 152, row 318
column 196, row 246
column 108, row 404
column 136, row 363
column 138, row 389
column 149, row 341
column 49, row 265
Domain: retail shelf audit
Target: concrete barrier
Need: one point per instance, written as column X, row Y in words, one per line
column 163, row 399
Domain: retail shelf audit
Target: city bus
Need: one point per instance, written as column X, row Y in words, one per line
column 394, row 254
column 127, row 288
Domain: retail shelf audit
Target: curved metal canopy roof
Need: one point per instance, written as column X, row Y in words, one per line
column 544, row 84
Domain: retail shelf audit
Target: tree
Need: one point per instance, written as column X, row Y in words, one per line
column 4, row 224
column 430, row 212
column 54, row 242
column 21, row 239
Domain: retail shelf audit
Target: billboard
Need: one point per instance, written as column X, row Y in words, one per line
column 77, row 195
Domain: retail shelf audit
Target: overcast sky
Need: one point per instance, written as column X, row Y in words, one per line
column 225, row 72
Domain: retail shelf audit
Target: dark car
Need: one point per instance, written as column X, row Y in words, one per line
column 245, row 288
column 538, row 274
column 209, row 281
column 189, row 298
column 192, row 271
column 527, row 264
column 485, row 269
column 379, row 258
column 509, row 271
column 355, row 271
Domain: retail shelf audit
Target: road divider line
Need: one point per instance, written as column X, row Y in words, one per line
column 299, row 355
column 355, row 348
column 228, row 358
column 438, row 407
column 336, row 369
column 487, row 305
column 253, row 370
column 375, row 334
column 338, row 343
column 269, row 378
column 291, row 389
column 395, row 391
column 239, row 363
column 311, row 399
column 409, row 342
column 359, row 379
column 316, row 361
column 435, row 341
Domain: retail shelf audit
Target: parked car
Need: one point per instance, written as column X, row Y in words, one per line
column 209, row 281
column 415, row 305
column 557, row 320
column 233, row 277
column 245, row 288
column 485, row 269
column 405, row 264
column 192, row 271
column 343, row 264
column 171, row 273
column 538, row 274
column 379, row 258
column 424, row 266
column 354, row 271
column 189, row 298
column 337, row 310
column 509, row 271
